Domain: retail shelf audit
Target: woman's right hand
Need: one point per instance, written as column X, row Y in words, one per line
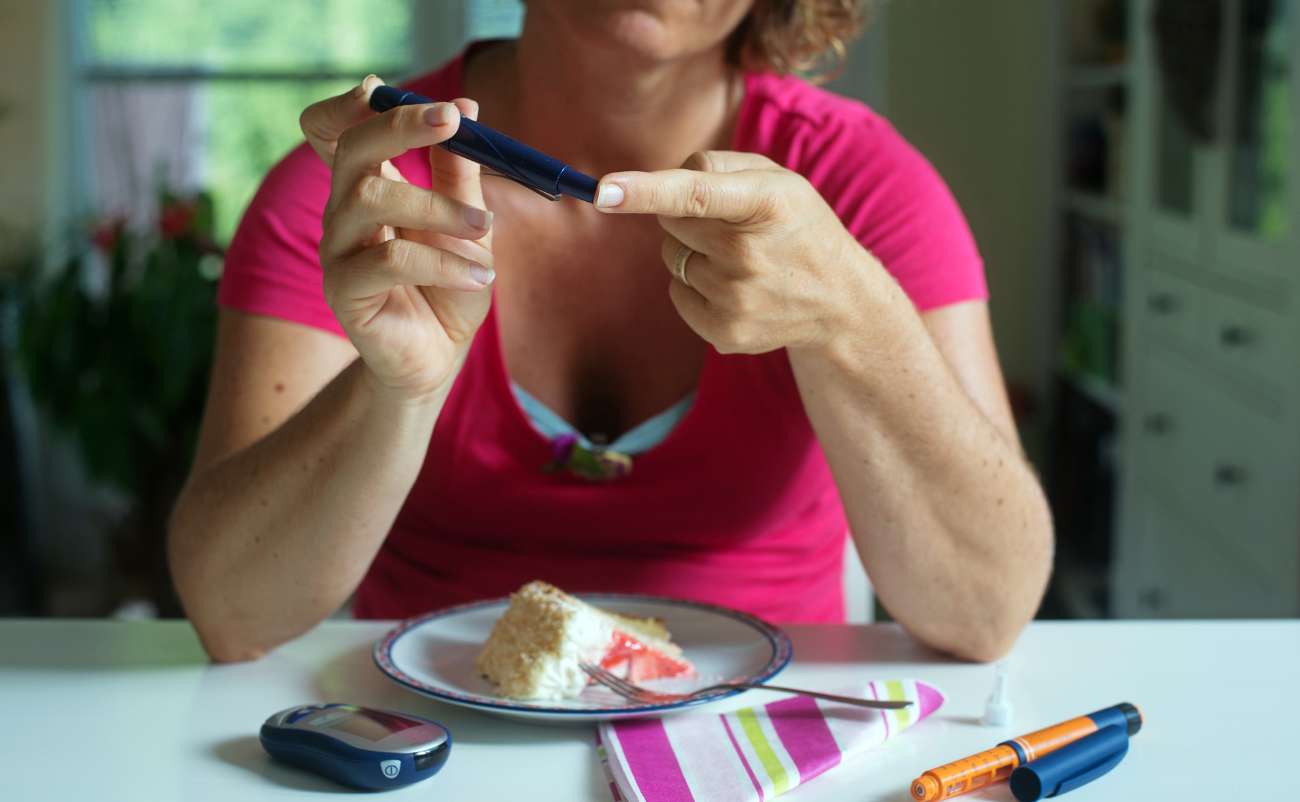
column 406, row 269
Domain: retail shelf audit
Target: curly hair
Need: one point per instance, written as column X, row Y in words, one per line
column 810, row 37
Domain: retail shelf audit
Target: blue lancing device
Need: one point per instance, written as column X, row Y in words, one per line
column 499, row 153
column 358, row 746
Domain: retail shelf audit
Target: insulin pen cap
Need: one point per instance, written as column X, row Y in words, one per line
column 1134, row 717
column 1070, row 767
column 1124, row 715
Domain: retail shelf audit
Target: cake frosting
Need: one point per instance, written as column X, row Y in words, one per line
column 536, row 647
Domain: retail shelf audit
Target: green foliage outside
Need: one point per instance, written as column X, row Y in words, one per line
column 250, row 127
column 250, row 34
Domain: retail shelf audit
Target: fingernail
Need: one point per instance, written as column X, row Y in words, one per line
column 439, row 114
column 363, row 88
column 478, row 218
column 473, row 110
column 610, row 195
column 482, row 275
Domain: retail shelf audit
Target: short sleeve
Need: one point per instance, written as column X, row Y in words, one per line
column 272, row 267
column 895, row 203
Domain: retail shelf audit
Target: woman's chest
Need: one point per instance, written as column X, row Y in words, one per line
column 587, row 326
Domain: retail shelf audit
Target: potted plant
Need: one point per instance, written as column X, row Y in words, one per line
column 115, row 345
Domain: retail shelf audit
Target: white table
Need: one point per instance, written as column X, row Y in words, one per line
column 133, row 711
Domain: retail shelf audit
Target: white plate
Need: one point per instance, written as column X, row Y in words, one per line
column 434, row 655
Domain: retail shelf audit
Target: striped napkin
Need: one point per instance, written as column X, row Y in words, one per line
column 754, row 753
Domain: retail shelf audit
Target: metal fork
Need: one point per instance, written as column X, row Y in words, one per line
column 636, row 693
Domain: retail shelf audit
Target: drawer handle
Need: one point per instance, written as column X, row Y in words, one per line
column 1162, row 302
column 1229, row 475
column 1235, row 336
column 1157, row 423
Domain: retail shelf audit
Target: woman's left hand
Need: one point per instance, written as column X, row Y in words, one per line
column 770, row 265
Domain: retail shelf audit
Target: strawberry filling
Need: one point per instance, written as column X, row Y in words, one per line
column 635, row 661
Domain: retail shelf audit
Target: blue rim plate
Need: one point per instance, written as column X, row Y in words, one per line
column 433, row 655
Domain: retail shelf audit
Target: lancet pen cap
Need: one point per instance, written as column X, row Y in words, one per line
column 500, row 154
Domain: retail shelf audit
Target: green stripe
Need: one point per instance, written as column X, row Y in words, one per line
column 749, row 724
column 894, row 690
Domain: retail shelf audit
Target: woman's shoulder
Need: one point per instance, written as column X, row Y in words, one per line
column 884, row 190
column 781, row 113
column 843, row 146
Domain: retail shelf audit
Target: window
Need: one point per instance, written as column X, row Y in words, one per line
column 189, row 94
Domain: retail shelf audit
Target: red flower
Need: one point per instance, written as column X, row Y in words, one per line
column 107, row 234
column 176, row 219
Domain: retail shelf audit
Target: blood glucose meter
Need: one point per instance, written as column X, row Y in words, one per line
column 358, row 746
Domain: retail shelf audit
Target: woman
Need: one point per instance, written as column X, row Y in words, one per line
column 398, row 367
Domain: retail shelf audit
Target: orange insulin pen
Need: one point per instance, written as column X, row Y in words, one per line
column 996, row 764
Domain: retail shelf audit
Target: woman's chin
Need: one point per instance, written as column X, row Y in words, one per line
column 646, row 32
column 640, row 35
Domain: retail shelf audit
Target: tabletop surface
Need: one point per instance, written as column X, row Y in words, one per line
column 101, row 710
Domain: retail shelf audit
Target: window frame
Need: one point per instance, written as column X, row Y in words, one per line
column 87, row 73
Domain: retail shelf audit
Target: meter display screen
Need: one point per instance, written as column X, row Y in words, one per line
column 372, row 725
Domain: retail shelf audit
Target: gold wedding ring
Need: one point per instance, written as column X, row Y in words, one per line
column 683, row 256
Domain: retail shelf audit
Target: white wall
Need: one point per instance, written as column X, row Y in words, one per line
column 969, row 83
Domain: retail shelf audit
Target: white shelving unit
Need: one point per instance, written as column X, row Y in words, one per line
column 1091, row 78
column 1205, row 404
column 1209, row 512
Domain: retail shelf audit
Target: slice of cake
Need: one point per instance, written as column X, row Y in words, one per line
column 536, row 646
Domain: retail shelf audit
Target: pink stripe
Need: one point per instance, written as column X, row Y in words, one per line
column 802, row 728
column 734, row 745
column 929, row 698
column 883, row 717
column 651, row 761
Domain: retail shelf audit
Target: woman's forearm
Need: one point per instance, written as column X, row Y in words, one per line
column 946, row 513
column 269, row 541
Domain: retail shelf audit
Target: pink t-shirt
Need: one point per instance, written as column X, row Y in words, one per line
column 737, row 506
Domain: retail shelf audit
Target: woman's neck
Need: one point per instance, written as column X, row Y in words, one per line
column 599, row 110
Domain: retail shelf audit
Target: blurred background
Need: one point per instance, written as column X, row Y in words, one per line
column 1129, row 168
